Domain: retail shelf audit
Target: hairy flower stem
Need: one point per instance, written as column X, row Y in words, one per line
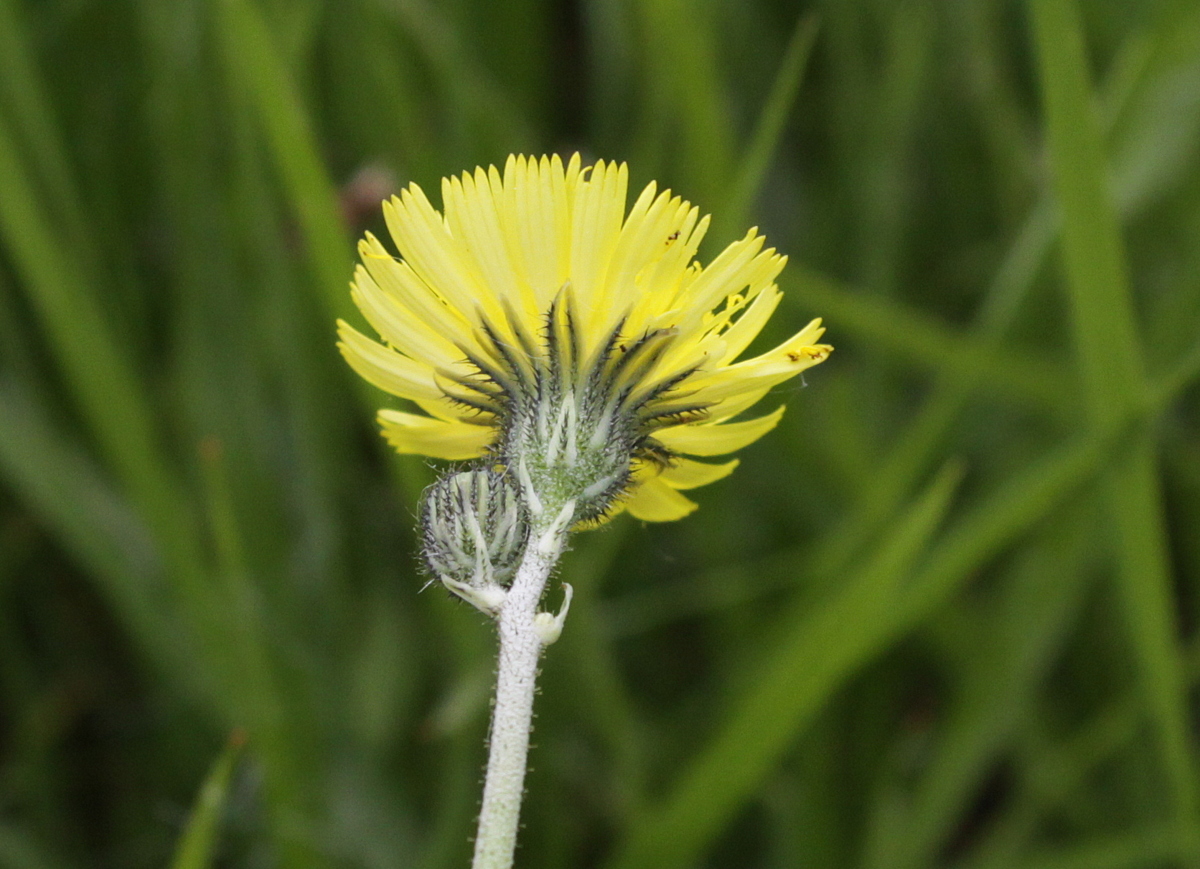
column 512, row 715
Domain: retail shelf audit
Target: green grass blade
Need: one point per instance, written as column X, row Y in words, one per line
column 673, row 834
column 104, row 384
column 1050, row 778
column 589, row 658
column 885, row 191
column 258, row 73
column 23, row 95
column 282, row 735
column 818, row 651
column 1180, row 376
column 1153, row 846
column 103, row 379
column 1138, row 180
column 688, row 100
column 1107, row 345
column 919, row 339
column 1052, row 775
column 476, row 99
column 752, row 169
column 1106, row 336
column 1156, row 131
column 19, row 850
column 997, row 695
column 197, row 848
column 69, row 492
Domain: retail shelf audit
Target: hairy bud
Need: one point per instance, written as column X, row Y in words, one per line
column 474, row 531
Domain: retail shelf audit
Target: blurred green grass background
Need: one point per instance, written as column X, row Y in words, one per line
column 944, row 615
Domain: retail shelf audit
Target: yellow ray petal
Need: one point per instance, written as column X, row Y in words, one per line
column 747, row 326
column 596, row 217
column 646, row 265
column 793, row 356
column 707, row 439
column 686, row 474
column 664, row 278
column 537, row 219
column 445, row 409
column 783, row 359
column 528, row 236
column 388, row 370
column 746, row 282
column 435, row 255
column 472, row 216
column 565, row 185
column 399, row 327
column 396, row 278
column 731, row 407
column 629, row 255
column 655, row 501
column 715, row 282
column 409, row 433
column 634, row 246
column 725, row 387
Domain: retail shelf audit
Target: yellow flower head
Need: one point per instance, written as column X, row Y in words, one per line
column 577, row 347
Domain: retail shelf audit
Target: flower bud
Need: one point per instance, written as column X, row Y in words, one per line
column 474, row 531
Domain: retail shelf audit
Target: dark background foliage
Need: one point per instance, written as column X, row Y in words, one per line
column 944, row 615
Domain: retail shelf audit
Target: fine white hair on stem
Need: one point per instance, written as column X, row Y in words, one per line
column 523, row 635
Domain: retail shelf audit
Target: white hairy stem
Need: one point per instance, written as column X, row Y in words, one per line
column 521, row 642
